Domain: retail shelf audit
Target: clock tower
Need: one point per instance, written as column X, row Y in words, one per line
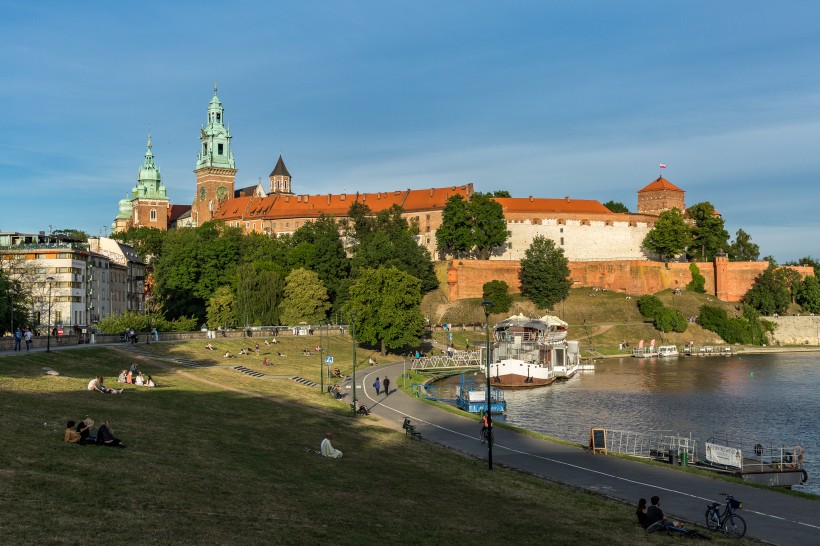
column 215, row 169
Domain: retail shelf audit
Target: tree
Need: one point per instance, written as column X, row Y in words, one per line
column 698, row 282
column 476, row 226
column 709, row 234
column 13, row 302
column 77, row 234
column 259, row 291
column 501, row 193
column 669, row 319
column 146, row 241
column 497, row 292
column 544, row 273
column 742, row 249
column 769, row 294
column 325, row 254
column 616, row 206
column 649, row 306
column 384, row 305
column 305, row 298
column 808, row 296
column 220, row 310
column 669, row 236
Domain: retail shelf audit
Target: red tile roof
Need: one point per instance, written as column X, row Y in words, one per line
column 538, row 205
column 175, row 211
column 660, row 183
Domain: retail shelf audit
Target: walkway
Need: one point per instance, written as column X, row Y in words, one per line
column 770, row 516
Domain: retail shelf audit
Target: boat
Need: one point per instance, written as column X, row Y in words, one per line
column 667, row 351
column 531, row 352
column 473, row 399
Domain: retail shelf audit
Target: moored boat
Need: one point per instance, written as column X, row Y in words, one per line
column 531, row 352
column 667, row 351
column 472, row 398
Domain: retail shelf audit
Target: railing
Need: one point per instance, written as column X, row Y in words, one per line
column 651, row 445
column 458, row 360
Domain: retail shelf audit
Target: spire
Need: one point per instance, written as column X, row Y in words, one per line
column 215, row 138
column 280, row 169
column 149, row 181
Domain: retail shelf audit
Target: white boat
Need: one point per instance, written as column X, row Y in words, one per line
column 667, row 351
column 531, row 352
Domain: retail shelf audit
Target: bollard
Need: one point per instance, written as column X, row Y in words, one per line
column 684, row 458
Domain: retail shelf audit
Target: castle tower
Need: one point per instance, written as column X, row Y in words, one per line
column 215, row 170
column 659, row 196
column 149, row 199
column 280, row 178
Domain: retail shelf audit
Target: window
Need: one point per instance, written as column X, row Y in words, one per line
column 153, row 215
column 562, row 231
column 562, row 241
column 219, row 148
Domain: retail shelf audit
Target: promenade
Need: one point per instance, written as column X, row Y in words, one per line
column 771, row 516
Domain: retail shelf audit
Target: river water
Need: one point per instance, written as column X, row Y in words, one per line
column 762, row 397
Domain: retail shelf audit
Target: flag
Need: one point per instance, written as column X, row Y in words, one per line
column 662, row 165
column 640, row 345
column 652, row 343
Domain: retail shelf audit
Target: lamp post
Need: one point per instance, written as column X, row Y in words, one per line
column 487, row 305
column 48, row 325
column 321, row 361
column 353, row 340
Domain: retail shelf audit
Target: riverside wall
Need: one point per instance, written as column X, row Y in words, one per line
column 727, row 281
column 796, row 330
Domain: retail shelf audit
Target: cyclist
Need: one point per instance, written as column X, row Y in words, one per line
column 485, row 423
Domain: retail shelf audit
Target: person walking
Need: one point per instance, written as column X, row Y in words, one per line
column 27, row 336
column 386, row 384
column 18, row 338
column 377, row 385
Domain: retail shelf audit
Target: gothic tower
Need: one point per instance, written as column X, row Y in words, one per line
column 149, row 199
column 215, row 170
column 279, row 178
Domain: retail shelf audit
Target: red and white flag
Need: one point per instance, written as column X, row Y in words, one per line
column 640, row 345
column 652, row 343
column 662, row 165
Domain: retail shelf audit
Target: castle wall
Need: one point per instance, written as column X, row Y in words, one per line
column 635, row 277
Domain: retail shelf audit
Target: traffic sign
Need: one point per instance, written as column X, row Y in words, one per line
column 328, row 360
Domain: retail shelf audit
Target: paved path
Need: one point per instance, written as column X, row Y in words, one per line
column 770, row 516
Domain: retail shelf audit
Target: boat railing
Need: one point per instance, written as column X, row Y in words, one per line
column 527, row 352
column 651, row 445
column 763, row 455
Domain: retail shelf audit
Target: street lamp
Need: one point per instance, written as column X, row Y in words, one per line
column 353, row 340
column 321, row 361
column 486, row 305
column 48, row 325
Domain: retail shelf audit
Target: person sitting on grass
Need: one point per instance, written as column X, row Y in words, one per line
column 84, row 429
column 150, row 382
column 242, row 352
column 654, row 514
column 228, row 355
column 265, row 362
column 280, row 354
column 122, row 376
column 105, row 436
column 210, row 347
column 327, row 448
column 96, row 384
column 140, row 380
column 641, row 512
column 71, row 436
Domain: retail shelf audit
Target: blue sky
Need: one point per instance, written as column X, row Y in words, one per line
column 541, row 98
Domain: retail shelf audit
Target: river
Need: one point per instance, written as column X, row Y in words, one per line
column 772, row 397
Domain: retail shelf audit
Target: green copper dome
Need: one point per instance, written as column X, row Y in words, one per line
column 215, row 139
column 149, row 182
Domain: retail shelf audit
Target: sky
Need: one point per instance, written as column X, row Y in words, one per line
column 549, row 99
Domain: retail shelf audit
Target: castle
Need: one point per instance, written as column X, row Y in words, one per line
column 585, row 229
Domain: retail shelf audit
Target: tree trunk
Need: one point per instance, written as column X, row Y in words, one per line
column 383, row 348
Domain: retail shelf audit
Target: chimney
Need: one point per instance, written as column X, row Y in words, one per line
column 343, row 197
column 432, row 191
column 298, row 198
column 530, row 198
column 329, row 198
column 306, row 198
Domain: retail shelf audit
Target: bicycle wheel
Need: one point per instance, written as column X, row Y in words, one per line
column 734, row 526
column 712, row 520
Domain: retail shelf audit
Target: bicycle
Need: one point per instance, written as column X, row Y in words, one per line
column 486, row 435
column 730, row 523
column 680, row 530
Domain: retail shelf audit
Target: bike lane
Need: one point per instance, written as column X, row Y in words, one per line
column 770, row 516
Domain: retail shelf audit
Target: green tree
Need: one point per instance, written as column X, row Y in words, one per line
column 13, row 302
column 669, row 319
column 544, row 273
column 808, row 296
column 384, row 305
column 326, row 255
column 78, row 234
column 259, row 293
column 669, row 236
column 616, row 206
column 709, row 233
column 743, row 249
column 220, row 310
column 698, row 282
column 305, row 298
column 770, row 293
column 497, row 292
column 145, row 240
column 649, row 306
column 476, row 226
column 501, row 193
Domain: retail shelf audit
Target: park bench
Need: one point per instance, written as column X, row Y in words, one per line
column 410, row 430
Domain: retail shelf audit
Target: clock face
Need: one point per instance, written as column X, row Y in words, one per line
column 202, row 194
column 221, row 192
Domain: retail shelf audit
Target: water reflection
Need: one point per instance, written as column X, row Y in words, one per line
column 762, row 397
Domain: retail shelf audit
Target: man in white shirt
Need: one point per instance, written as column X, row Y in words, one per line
column 328, row 450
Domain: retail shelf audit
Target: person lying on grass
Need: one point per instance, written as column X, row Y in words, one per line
column 105, row 436
column 96, row 384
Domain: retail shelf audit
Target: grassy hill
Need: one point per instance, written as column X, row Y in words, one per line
column 218, row 457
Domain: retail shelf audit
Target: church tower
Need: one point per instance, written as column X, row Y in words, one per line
column 215, row 169
column 280, row 178
column 149, row 198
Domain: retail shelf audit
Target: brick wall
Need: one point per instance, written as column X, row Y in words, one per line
column 467, row 277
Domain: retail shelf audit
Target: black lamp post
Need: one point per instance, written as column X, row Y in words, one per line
column 48, row 326
column 321, row 361
column 487, row 305
column 353, row 339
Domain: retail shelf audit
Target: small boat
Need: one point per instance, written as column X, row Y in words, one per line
column 531, row 352
column 667, row 351
column 473, row 399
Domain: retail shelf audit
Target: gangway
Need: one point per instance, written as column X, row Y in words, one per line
column 659, row 445
column 458, row 360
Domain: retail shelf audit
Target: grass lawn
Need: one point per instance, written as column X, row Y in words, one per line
column 217, row 457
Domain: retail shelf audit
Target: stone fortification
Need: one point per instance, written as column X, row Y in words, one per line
column 796, row 330
column 728, row 282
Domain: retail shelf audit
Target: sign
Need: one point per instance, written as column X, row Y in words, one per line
column 328, row 360
column 727, row 456
column 60, row 332
column 597, row 440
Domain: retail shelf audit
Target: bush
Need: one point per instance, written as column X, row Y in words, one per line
column 649, row 306
column 142, row 323
column 698, row 282
column 748, row 330
column 669, row 319
column 497, row 292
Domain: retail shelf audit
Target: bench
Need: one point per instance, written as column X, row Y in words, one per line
column 410, row 430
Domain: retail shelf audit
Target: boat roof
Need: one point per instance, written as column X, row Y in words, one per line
column 544, row 323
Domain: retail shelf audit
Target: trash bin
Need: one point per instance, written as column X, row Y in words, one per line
column 684, row 458
column 673, row 457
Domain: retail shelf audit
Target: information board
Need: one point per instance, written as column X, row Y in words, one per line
column 597, row 440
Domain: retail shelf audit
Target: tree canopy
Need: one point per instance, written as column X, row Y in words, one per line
column 616, row 206
column 472, row 227
column 670, row 235
column 708, row 234
column 305, row 298
column 384, row 308
column 770, row 294
column 544, row 273
column 742, row 249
